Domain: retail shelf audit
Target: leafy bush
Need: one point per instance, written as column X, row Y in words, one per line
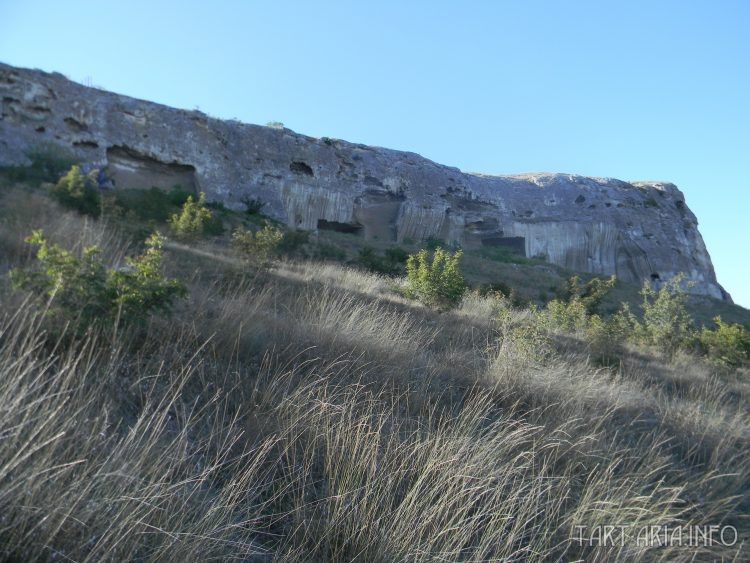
column 580, row 308
column 568, row 316
column 396, row 255
column 324, row 251
column 605, row 337
column 433, row 243
column 666, row 321
column 502, row 254
column 293, row 242
column 591, row 294
column 49, row 161
column 79, row 190
column 83, row 291
column 260, row 246
column 727, row 344
column 436, row 280
column 390, row 264
column 191, row 222
column 153, row 204
column 252, row 205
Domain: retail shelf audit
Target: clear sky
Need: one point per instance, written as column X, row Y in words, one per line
column 636, row 90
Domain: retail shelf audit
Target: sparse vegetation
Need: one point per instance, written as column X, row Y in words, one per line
column 727, row 344
column 435, row 280
column 79, row 190
column 259, row 247
column 391, row 263
column 192, row 221
column 252, row 205
column 48, row 161
column 311, row 412
column 81, row 290
column 151, row 205
column 666, row 321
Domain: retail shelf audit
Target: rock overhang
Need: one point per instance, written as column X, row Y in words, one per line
column 635, row 230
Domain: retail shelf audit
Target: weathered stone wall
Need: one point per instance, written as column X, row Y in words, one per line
column 602, row 225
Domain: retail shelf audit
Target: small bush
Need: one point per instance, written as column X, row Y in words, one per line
column 396, row 255
column 252, row 205
column 260, row 246
column 79, row 190
column 437, row 280
column 727, row 344
column 373, row 262
column 49, row 161
column 580, row 309
column 324, row 251
column 501, row 254
column 433, row 243
column 605, row 337
column 293, row 242
column 83, row 291
column 666, row 321
column 192, row 221
column 591, row 294
column 153, row 204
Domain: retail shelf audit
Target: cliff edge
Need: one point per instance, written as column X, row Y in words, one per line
column 635, row 230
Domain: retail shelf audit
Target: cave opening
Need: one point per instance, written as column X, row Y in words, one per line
column 515, row 244
column 130, row 169
column 349, row 228
column 299, row 167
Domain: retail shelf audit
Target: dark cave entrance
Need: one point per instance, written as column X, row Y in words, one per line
column 516, row 245
column 350, row 228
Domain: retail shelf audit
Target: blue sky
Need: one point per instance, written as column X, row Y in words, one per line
column 656, row 90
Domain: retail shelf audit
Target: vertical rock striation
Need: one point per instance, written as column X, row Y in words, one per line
column 636, row 230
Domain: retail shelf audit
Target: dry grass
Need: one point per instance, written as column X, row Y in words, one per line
column 311, row 413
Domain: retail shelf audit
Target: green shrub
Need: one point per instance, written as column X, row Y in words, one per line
column 81, row 290
column 396, row 255
column 373, row 262
column 324, row 251
column 252, row 205
column 153, row 204
column 79, row 191
column 192, row 221
column 293, row 242
column 260, row 246
column 501, row 254
column 666, row 321
column 605, row 337
column 580, row 308
column 433, row 243
column 568, row 316
column 435, row 280
column 591, row 294
column 727, row 344
column 49, row 161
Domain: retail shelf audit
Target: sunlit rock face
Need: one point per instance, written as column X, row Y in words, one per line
column 637, row 231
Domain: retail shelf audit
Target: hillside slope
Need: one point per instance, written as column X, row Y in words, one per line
column 309, row 412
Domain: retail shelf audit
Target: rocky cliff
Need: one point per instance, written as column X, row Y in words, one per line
column 636, row 230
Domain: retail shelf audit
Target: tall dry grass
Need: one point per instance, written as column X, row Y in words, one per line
column 309, row 413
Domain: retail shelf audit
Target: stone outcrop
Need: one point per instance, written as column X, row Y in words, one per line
column 637, row 231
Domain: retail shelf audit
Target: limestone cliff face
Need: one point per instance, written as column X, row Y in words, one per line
column 634, row 230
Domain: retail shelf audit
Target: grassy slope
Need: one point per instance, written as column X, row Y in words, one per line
column 311, row 413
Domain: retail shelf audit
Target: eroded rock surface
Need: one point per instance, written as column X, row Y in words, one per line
column 637, row 231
